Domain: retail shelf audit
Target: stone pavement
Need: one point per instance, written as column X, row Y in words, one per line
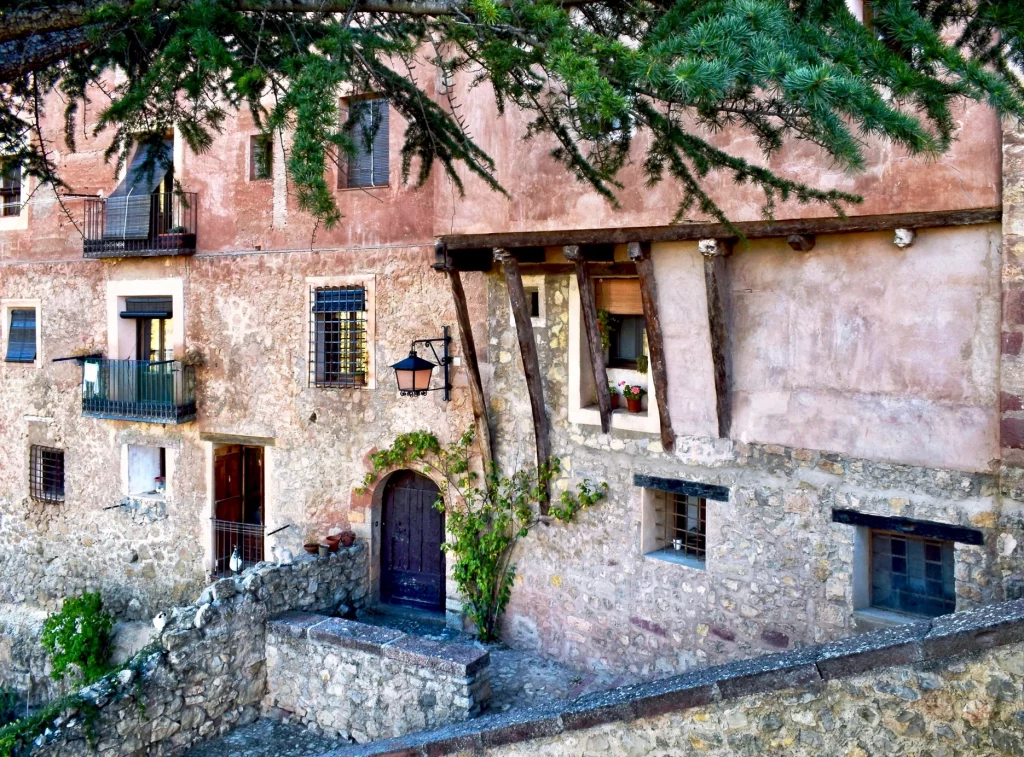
column 517, row 680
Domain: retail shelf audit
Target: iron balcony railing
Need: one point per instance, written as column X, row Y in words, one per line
column 229, row 536
column 139, row 390
column 163, row 223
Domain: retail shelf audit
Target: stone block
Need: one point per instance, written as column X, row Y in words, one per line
column 456, row 659
column 294, row 624
column 354, row 635
column 977, row 630
column 900, row 645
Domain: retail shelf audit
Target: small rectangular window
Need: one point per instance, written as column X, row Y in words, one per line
column 10, row 191
column 46, row 474
column 687, row 527
column 337, row 337
column 21, row 336
column 367, row 127
column 912, row 575
column 533, row 297
column 147, row 470
column 261, row 157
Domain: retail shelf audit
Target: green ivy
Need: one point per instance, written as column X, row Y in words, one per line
column 78, row 638
column 484, row 522
column 8, row 705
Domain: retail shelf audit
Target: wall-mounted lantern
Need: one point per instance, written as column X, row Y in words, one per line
column 414, row 373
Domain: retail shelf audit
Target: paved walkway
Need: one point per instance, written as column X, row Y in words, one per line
column 517, row 680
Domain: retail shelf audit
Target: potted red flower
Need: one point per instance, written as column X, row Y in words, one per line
column 634, row 394
column 614, row 395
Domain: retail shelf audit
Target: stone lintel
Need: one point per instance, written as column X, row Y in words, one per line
column 924, row 528
column 351, row 634
column 459, row 659
column 294, row 624
column 680, row 486
column 900, row 645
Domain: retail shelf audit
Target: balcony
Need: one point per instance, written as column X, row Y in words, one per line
column 139, row 390
column 162, row 223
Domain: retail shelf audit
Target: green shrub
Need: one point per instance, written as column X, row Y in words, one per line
column 78, row 638
column 8, row 705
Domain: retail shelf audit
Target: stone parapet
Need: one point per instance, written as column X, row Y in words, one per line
column 364, row 682
column 953, row 683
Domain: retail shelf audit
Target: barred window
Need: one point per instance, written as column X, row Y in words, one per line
column 21, row 336
column 337, row 337
column 911, row 574
column 687, row 528
column 46, row 473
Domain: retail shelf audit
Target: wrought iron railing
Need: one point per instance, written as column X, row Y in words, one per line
column 139, row 390
column 229, row 536
column 158, row 224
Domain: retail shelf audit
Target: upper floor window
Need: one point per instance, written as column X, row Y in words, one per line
column 368, row 129
column 912, row 574
column 620, row 312
column 10, row 191
column 46, row 473
column 21, row 336
column 261, row 157
column 338, row 337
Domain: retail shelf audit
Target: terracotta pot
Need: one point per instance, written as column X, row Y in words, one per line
column 311, row 547
column 332, row 543
column 348, row 538
column 615, row 400
column 635, row 406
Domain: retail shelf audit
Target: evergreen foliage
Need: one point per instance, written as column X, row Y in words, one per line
column 484, row 523
column 78, row 639
column 597, row 77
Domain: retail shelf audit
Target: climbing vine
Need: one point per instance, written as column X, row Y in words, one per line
column 484, row 519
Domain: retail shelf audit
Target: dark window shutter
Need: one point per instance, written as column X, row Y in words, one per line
column 129, row 206
column 21, row 339
column 380, row 143
column 147, row 307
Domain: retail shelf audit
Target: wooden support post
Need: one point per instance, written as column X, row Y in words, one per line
column 640, row 253
column 531, row 363
column 588, row 304
column 714, row 282
column 476, row 385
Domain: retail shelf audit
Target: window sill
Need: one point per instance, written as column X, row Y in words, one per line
column 879, row 618
column 621, row 419
column 367, row 188
column 150, row 496
column 670, row 555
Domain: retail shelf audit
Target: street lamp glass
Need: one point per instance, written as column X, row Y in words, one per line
column 413, row 374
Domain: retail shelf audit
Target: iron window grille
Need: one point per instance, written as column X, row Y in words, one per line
column 10, row 192
column 46, row 474
column 337, row 337
column 687, row 528
column 912, row 574
column 367, row 127
column 21, row 336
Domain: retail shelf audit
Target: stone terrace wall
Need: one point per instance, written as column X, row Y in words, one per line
column 363, row 682
column 951, row 686
column 209, row 673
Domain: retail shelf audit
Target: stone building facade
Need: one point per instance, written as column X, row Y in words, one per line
column 873, row 388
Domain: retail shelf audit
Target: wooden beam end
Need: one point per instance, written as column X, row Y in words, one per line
column 801, row 242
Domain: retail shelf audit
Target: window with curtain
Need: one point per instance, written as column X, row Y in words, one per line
column 368, row 129
column 337, row 337
column 21, row 336
column 620, row 299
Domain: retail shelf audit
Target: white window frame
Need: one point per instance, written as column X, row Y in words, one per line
column 121, row 331
column 649, row 422
column 20, row 221
column 6, row 306
column 369, row 284
column 126, row 489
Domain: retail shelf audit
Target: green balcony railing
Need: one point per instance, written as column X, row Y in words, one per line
column 139, row 390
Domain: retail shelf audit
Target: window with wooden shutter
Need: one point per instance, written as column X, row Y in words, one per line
column 131, row 207
column 621, row 302
column 368, row 128
column 261, row 157
column 10, row 191
column 21, row 336
column 337, row 337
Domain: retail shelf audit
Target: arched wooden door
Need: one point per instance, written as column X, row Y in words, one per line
column 412, row 532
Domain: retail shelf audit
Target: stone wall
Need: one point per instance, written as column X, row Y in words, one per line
column 208, row 673
column 365, row 683
column 952, row 686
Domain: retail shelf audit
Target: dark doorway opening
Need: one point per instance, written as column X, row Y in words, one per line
column 238, row 515
column 412, row 532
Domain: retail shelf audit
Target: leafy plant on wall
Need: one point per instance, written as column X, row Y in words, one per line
column 78, row 638
column 485, row 520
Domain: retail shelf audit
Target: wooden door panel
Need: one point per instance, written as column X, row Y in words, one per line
column 412, row 563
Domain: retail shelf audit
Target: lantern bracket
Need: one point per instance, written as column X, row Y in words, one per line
column 444, row 360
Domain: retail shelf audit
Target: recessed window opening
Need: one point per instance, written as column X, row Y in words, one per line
column 46, row 474
column 533, row 298
column 10, row 191
column 147, row 470
column 21, row 336
column 911, row 574
column 261, row 157
column 620, row 319
column 337, row 337
column 367, row 127
column 689, row 526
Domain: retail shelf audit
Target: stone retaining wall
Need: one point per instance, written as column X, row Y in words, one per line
column 950, row 686
column 364, row 682
column 208, row 671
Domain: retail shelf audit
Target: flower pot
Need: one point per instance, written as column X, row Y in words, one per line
column 348, row 538
column 311, row 547
column 615, row 400
column 333, row 542
column 635, row 406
